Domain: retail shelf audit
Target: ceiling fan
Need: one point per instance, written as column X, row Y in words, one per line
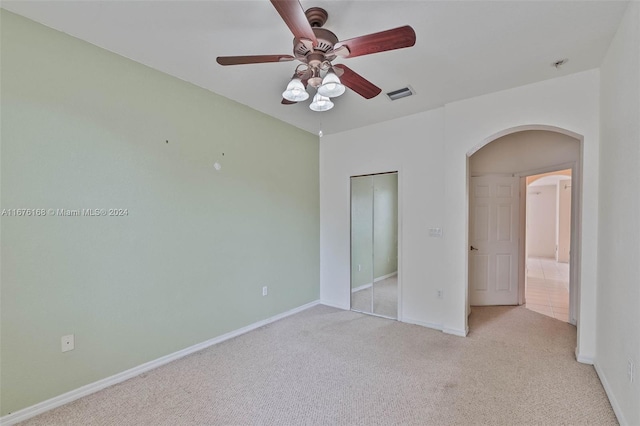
column 316, row 47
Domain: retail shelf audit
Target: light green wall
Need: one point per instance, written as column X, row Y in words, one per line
column 385, row 232
column 361, row 230
column 85, row 128
column 374, row 227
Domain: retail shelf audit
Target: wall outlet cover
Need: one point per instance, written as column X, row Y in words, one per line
column 67, row 343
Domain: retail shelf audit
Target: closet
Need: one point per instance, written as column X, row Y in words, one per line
column 374, row 244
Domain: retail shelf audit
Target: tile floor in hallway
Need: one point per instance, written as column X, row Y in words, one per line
column 547, row 287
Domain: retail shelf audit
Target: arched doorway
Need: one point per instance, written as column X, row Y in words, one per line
column 497, row 175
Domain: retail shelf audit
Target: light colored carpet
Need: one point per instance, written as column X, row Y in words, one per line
column 385, row 298
column 325, row 366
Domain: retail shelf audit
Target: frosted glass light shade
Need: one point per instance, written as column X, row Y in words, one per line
column 331, row 86
column 295, row 91
column 321, row 103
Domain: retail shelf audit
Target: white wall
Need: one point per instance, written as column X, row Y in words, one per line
column 541, row 221
column 525, row 153
column 433, row 192
column 569, row 103
column 619, row 238
column 414, row 147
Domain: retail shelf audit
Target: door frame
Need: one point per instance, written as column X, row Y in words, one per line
column 575, row 227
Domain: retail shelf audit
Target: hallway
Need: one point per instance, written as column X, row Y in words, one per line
column 547, row 287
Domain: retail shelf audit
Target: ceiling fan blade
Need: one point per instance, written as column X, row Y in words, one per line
column 396, row 38
column 252, row 59
column 357, row 83
column 293, row 15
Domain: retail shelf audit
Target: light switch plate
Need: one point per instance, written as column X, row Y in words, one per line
column 435, row 232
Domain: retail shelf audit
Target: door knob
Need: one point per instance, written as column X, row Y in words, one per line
column 473, row 248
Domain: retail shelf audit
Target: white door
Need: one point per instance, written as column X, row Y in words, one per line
column 493, row 238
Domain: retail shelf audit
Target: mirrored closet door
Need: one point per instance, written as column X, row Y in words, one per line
column 374, row 244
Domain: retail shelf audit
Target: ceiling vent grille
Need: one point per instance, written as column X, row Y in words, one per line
column 400, row 93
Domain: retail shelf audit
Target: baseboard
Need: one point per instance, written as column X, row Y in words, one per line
column 362, row 287
column 431, row 325
column 366, row 286
column 609, row 392
column 439, row 327
column 456, row 331
column 335, row 305
column 583, row 359
column 65, row 398
column 384, row 277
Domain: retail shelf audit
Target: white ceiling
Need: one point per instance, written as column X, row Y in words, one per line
column 463, row 48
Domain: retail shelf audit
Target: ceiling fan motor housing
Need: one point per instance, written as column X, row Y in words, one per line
column 326, row 41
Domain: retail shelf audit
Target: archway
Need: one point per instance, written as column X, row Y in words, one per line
column 517, row 153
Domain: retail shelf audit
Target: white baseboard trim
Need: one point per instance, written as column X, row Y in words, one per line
column 383, row 277
column 431, row 325
column 583, row 359
column 65, row 398
column 335, row 305
column 456, row 331
column 362, row 287
column 609, row 392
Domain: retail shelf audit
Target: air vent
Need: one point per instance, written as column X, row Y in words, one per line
column 400, row 93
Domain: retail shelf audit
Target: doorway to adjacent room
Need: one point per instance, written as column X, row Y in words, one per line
column 548, row 243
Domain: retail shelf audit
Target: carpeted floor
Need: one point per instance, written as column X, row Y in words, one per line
column 385, row 298
column 325, row 366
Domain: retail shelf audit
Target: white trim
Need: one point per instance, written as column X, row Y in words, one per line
column 399, row 231
column 362, row 287
column 383, row 277
column 612, row 399
column 431, row 325
column 456, row 332
column 65, row 398
column 583, row 359
column 335, row 305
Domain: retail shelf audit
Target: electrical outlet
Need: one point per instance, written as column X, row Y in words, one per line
column 439, row 294
column 265, row 290
column 67, row 343
column 630, row 368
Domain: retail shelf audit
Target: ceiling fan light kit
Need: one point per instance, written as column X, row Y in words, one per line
column 316, row 48
column 295, row 91
column 331, row 86
column 321, row 103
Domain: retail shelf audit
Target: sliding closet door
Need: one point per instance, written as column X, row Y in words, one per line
column 361, row 243
column 385, row 245
column 374, row 244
